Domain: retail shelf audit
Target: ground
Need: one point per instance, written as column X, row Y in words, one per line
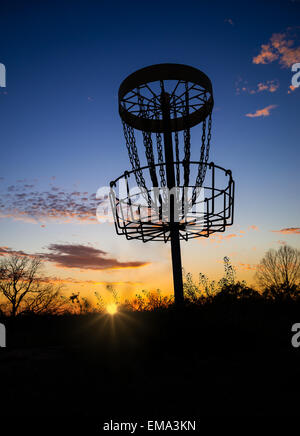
column 234, row 360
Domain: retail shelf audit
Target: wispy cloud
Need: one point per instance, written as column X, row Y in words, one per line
column 265, row 112
column 247, row 266
column 231, row 235
column 253, row 227
column 288, row 231
column 241, row 86
column 291, row 89
column 75, row 281
column 229, row 21
column 218, row 238
column 281, row 47
column 5, row 251
column 281, row 242
column 270, row 86
column 23, row 201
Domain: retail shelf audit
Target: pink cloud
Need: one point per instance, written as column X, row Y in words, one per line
column 288, row 231
column 247, row 266
column 218, row 238
column 253, row 227
column 265, row 112
column 265, row 56
column 291, row 89
column 268, row 86
column 23, row 202
column 229, row 21
column 280, row 47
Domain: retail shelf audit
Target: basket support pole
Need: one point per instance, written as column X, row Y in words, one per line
column 174, row 226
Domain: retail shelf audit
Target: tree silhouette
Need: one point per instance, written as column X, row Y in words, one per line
column 24, row 288
column 279, row 270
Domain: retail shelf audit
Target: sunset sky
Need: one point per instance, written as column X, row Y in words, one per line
column 62, row 139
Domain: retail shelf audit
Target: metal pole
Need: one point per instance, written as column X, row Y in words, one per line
column 174, row 226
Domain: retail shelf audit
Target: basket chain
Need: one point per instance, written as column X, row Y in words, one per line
column 160, row 155
column 187, row 140
column 147, row 140
column 160, row 159
column 133, row 154
column 177, row 150
column 150, row 157
column 203, row 156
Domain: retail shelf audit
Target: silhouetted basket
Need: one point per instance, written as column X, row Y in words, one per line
column 163, row 108
column 141, row 215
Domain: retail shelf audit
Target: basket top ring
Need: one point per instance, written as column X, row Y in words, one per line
column 189, row 89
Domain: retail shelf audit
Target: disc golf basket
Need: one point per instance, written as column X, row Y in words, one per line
column 175, row 193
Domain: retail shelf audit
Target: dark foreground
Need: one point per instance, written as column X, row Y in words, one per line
column 229, row 360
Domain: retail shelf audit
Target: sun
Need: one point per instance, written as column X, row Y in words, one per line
column 112, row 309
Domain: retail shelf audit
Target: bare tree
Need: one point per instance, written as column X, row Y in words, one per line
column 279, row 268
column 44, row 298
column 23, row 287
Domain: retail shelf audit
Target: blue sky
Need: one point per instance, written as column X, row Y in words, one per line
column 60, row 126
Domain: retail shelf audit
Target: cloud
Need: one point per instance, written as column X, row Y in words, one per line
column 265, row 56
column 247, row 266
column 288, row 231
column 280, row 48
column 268, row 86
column 253, row 227
column 5, row 251
column 218, row 238
column 229, row 21
column 71, row 280
column 77, row 256
column 85, row 257
column 22, row 202
column 291, row 89
column 265, row 112
column 231, row 235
